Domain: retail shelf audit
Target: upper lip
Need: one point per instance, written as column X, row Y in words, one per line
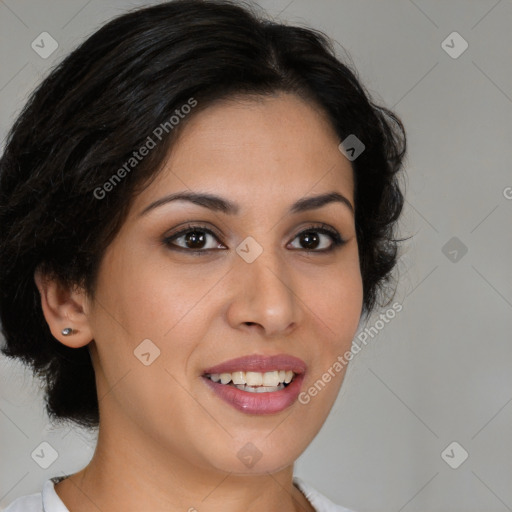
column 259, row 363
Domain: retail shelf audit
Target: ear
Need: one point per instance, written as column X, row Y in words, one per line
column 64, row 308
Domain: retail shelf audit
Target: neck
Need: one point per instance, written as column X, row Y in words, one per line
column 125, row 475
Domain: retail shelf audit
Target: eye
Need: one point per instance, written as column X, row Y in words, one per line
column 194, row 240
column 311, row 238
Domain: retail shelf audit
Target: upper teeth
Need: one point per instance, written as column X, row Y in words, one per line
column 269, row 379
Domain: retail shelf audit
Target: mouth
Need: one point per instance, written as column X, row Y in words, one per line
column 257, row 384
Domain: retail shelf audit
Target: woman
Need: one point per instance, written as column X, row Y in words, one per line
column 197, row 207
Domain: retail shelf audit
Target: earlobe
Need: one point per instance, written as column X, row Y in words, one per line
column 64, row 311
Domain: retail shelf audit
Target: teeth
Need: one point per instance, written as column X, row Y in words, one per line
column 271, row 379
column 253, row 379
column 260, row 389
column 238, row 377
column 225, row 378
column 256, row 380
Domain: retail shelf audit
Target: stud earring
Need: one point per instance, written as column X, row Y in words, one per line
column 67, row 331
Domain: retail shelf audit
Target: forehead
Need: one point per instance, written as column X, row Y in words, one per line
column 276, row 146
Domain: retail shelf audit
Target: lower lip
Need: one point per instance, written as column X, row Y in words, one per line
column 258, row 403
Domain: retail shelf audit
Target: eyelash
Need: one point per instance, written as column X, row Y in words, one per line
column 337, row 240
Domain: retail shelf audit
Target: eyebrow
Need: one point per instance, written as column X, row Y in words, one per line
column 220, row 204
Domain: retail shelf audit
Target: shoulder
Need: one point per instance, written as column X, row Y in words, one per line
column 45, row 501
column 320, row 502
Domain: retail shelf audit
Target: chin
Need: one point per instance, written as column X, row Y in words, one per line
column 257, row 454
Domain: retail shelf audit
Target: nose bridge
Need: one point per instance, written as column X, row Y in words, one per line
column 264, row 287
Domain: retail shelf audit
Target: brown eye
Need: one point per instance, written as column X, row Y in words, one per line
column 309, row 239
column 194, row 239
column 314, row 237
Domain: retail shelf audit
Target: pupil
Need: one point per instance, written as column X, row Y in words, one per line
column 308, row 238
column 195, row 237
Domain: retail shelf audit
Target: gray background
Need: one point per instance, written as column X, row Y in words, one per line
column 440, row 370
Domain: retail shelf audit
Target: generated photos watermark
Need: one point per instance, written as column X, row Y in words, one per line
column 150, row 143
column 343, row 360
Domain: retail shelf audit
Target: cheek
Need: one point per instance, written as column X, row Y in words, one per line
column 161, row 305
column 151, row 299
column 338, row 307
column 335, row 300
column 169, row 305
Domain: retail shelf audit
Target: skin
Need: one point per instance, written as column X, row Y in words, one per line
column 166, row 442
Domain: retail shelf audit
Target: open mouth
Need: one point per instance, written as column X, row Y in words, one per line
column 257, row 383
column 254, row 382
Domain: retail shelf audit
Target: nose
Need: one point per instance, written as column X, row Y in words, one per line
column 264, row 295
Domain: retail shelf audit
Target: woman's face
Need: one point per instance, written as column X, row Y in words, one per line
column 253, row 290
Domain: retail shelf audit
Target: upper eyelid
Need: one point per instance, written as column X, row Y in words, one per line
column 193, row 227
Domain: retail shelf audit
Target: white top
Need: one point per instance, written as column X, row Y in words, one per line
column 48, row 500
